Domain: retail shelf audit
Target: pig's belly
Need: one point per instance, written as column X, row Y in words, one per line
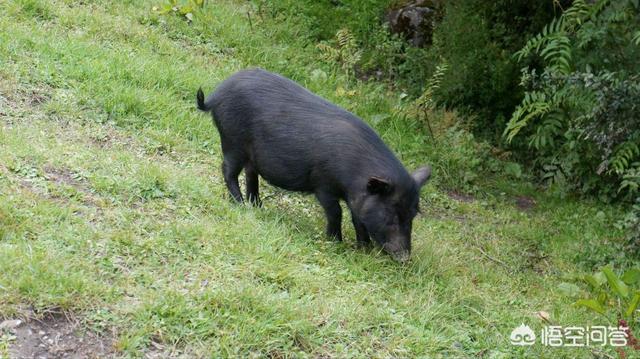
column 287, row 173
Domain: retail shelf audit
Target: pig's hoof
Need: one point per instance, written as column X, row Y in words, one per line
column 335, row 237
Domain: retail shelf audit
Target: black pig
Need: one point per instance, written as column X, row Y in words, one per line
column 273, row 127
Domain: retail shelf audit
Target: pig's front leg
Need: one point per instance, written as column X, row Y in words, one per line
column 333, row 211
column 362, row 235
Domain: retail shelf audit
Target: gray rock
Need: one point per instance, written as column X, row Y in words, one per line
column 10, row 324
column 415, row 20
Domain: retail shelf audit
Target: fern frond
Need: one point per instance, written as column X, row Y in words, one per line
column 560, row 27
column 598, row 7
column 328, row 53
column 345, row 52
column 631, row 179
column 534, row 105
column 533, row 45
column 624, row 156
column 549, row 129
column 426, row 99
column 345, row 39
column 557, row 53
column 578, row 11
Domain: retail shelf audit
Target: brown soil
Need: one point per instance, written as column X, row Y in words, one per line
column 62, row 176
column 37, row 97
column 57, row 336
column 525, row 203
column 458, row 196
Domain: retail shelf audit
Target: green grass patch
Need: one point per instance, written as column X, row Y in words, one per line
column 112, row 205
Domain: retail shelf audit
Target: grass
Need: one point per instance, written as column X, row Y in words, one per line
column 112, row 205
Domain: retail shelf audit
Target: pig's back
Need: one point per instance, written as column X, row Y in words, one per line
column 296, row 139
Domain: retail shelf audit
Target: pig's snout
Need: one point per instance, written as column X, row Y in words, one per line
column 398, row 253
column 401, row 257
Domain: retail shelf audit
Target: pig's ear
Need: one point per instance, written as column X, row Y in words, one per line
column 377, row 185
column 421, row 175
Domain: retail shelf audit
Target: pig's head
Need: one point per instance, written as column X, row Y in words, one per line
column 387, row 211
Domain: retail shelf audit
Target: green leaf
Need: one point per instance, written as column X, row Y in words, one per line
column 591, row 280
column 166, row 9
column 513, row 169
column 617, row 286
column 602, row 298
column 591, row 304
column 318, row 75
column 633, row 305
column 569, row 289
column 631, row 276
column 596, row 280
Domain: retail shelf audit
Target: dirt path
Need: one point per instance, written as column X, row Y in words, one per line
column 54, row 336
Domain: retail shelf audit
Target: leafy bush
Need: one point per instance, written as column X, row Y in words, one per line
column 609, row 294
column 581, row 114
column 477, row 38
column 343, row 50
column 459, row 157
column 182, row 9
column 386, row 56
column 631, row 223
column 320, row 19
column 617, row 298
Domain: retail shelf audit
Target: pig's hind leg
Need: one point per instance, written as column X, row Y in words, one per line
column 231, row 167
column 252, row 184
column 333, row 211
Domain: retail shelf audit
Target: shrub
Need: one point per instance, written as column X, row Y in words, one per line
column 477, row 40
column 344, row 50
column 321, row 19
column 611, row 296
column 580, row 116
column 631, row 224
